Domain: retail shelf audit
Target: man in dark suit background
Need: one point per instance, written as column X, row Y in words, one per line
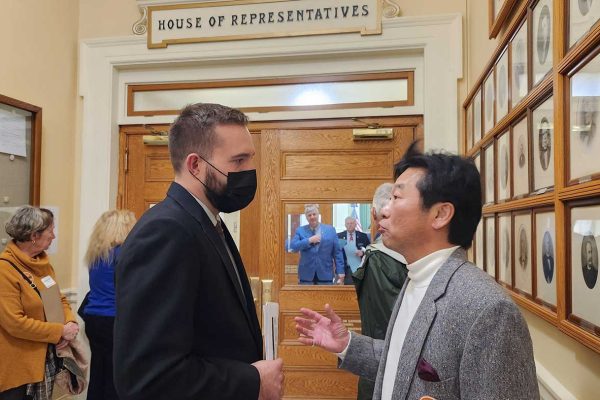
column 355, row 244
column 186, row 327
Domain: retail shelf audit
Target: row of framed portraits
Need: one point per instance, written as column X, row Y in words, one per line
column 582, row 14
column 532, row 125
column 524, row 62
column 518, row 249
column 520, row 161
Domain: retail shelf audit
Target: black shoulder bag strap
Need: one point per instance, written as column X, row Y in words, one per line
column 24, row 276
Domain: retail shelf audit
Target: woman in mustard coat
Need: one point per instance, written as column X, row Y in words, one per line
column 27, row 342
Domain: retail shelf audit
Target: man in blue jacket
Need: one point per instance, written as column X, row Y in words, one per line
column 319, row 250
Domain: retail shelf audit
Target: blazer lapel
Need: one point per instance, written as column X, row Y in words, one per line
column 419, row 327
column 386, row 345
column 247, row 290
column 190, row 204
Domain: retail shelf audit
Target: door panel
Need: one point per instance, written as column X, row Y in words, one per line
column 320, row 164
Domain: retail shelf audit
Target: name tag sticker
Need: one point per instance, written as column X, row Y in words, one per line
column 48, row 281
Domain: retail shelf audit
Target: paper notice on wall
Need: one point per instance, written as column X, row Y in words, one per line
column 13, row 133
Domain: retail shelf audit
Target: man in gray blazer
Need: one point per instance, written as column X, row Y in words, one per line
column 454, row 332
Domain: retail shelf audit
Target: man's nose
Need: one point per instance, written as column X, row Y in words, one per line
column 385, row 211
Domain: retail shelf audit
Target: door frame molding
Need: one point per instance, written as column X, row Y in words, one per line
column 104, row 62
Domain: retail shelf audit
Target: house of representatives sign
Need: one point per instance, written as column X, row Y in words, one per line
column 253, row 19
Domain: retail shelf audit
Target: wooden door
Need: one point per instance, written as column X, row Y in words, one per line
column 318, row 163
column 297, row 162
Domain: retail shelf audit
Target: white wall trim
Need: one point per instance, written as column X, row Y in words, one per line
column 101, row 62
column 550, row 387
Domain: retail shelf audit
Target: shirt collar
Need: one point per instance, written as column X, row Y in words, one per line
column 422, row 271
column 213, row 218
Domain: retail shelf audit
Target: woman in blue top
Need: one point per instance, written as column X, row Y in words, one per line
column 109, row 233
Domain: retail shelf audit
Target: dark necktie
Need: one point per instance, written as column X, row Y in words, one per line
column 219, row 228
column 351, row 236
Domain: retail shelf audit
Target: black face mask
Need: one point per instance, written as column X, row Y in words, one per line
column 237, row 193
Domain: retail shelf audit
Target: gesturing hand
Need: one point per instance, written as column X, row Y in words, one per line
column 328, row 332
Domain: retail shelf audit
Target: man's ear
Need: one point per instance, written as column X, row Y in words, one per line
column 442, row 215
column 193, row 164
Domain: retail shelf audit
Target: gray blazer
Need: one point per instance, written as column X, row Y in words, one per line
column 468, row 329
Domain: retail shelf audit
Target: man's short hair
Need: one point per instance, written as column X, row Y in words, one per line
column 194, row 130
column 448, row 178
column 308, row 208
column 381, row 197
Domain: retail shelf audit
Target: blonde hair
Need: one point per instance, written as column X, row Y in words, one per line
column 110, row 230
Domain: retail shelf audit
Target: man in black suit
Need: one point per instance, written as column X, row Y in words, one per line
column 355, row 243
column 186, row 327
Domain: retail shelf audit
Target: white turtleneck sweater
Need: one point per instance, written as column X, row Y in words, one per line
column 420, row 274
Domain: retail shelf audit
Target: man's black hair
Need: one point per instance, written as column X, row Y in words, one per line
column 448, row 178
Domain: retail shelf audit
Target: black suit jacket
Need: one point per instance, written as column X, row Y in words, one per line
column 184, row 329
column 362, row 241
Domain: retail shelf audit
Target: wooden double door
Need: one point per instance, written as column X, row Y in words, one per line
column 298, row 162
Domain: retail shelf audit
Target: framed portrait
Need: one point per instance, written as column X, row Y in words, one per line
column 545, row 256
column 584, row 104
column 469, row 122
column 519, row 65
column 542, row 122
column 488, row 156
column 503, row 180
column 520, row 162
column 585, row 239
column 479, row 260
column 583, row 14
column 522, row 252
column 489, row 99
column 504, row 249
column 490, row 245
column 502, row 86
column 541, row 39
column 477, row 128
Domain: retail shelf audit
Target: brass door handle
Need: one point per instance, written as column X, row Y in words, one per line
column 267, row 287
column 255, row 286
